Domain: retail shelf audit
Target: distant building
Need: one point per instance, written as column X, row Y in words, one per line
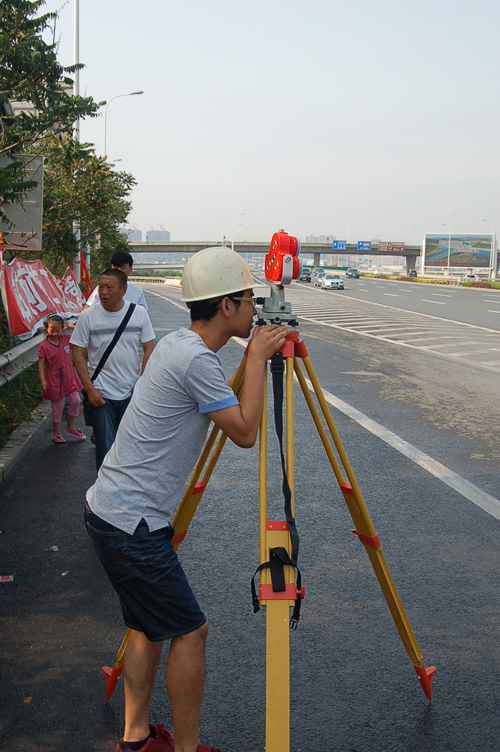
column 322, row 239
column 156, row 236
column 135, row 236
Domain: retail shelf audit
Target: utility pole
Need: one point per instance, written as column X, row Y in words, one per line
column 76, row 127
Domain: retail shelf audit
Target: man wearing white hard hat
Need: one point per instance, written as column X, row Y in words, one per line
column 131, row 506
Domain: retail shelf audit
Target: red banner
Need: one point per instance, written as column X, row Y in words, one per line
column 85, row 278
column 30, row 292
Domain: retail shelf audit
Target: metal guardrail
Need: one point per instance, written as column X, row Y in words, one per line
column 14, row 361
column 158, row 280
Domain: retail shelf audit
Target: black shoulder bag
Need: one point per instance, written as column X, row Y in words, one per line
column 87, row 407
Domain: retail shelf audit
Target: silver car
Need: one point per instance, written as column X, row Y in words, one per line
column 318, row 276
column 332, row 282
column 470, row 278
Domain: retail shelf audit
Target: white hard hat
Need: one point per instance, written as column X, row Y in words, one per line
column 214, row 272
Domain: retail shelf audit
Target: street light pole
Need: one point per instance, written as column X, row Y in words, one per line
column 240, row 217
column 76, row 125
column 492, row 271
column 449, row 242
column 130, row 94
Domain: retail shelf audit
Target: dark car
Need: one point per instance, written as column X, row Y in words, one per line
column 412, row 273
column 353, row 273
column 305, row 276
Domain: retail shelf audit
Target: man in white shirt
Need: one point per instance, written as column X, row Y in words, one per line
column 123, row 261
column 110, row 393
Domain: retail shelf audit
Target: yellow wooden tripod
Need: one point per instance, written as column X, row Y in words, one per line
column 275, row 534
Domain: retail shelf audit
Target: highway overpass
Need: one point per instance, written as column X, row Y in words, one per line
column 410, row 252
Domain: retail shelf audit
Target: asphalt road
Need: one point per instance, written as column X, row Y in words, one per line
column 462, row 304
column 352, row 685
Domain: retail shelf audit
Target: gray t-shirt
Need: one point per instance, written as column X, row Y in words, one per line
column 161, row 434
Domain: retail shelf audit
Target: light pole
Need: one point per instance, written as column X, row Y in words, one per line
column 76, row 129
column 449, row 242
column 130, row 94
column 240, row 217
column 492, row 271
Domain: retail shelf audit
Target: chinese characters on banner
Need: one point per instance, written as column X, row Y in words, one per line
column 30, row 292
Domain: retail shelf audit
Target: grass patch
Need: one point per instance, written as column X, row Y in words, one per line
column 20, row 396
column 18, row 399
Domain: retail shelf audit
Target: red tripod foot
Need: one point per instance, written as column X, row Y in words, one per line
column 112, row 675
column 425, row 675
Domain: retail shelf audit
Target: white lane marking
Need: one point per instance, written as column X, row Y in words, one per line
column 169, row 300
column 468, row 490
column 471, row 492
column 436, row 302
column 493, row 311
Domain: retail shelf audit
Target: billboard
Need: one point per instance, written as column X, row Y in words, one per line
column 459, row 251
column 384, row 247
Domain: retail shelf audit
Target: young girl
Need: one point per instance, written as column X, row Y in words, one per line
column 58, row 378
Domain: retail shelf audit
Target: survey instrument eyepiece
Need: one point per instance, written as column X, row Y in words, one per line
column 282, row 262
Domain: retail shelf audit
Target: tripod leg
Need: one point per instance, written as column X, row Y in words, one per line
column 274, row 534
column 364, row 526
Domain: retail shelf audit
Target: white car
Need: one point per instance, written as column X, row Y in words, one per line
column 332, row 282
column 470, row 278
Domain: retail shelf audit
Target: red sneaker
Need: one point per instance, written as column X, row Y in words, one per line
column 164, row 742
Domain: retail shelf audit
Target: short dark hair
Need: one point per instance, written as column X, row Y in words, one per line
column 53, row 317
column 120, row 276
column 204, row 310
column 120, row 258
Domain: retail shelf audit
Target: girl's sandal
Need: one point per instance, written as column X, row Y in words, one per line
column 76, row 433
column 58, row 439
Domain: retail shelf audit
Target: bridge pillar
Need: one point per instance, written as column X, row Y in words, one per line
column 317, row 259
column 410, row 263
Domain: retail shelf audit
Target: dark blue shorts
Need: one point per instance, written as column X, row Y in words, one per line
column 143, row 568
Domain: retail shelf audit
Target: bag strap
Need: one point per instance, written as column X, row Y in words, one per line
column 116, row 337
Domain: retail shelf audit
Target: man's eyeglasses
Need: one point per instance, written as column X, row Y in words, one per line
column 253, row 301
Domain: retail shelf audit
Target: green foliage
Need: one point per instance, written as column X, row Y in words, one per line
column 17, row 400
column 80, row 186
column 31, row 73
column 6, row 341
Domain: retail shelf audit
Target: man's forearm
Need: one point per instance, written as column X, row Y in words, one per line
column 81, row 368
column 148, row 348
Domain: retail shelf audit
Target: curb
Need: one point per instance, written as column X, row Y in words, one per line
column 21, row 439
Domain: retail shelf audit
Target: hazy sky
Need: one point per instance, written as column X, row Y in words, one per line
column 355, row 118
